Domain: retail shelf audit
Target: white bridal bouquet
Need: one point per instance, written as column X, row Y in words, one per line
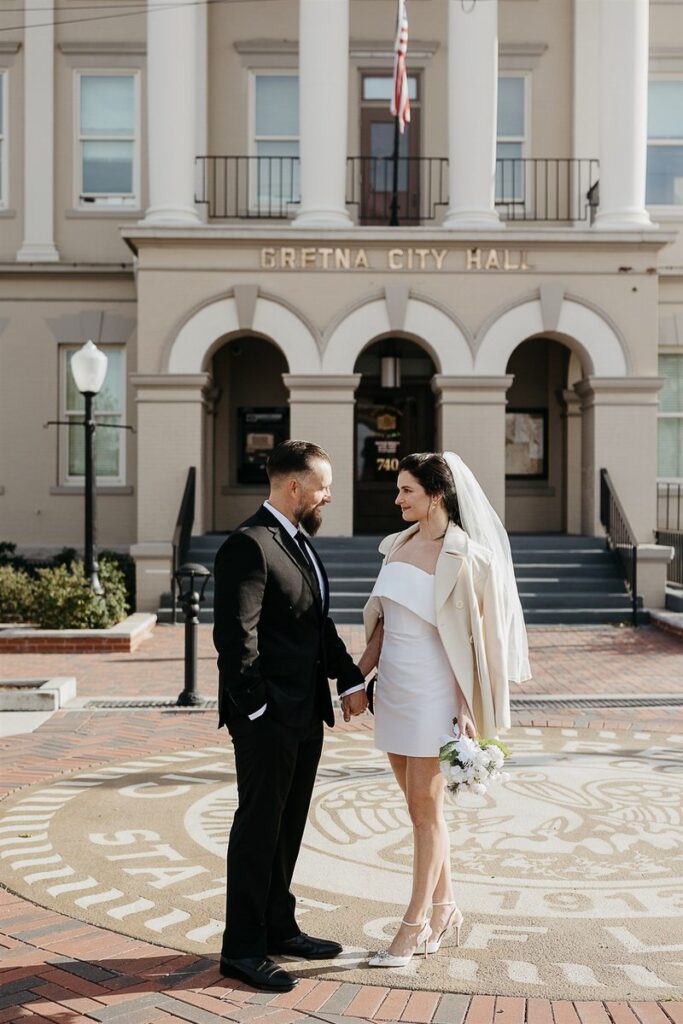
column 471, row 764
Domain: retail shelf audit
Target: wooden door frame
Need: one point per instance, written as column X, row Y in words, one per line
column 378, row 110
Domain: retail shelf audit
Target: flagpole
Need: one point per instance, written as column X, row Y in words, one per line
column 393, row 218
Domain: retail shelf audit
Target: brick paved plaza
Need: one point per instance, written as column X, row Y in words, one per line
column 58, row 968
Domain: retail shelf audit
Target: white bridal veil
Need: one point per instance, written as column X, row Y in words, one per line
column 480, row 521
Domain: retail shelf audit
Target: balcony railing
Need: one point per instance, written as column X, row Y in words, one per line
column 542, row 190
column 670, row 526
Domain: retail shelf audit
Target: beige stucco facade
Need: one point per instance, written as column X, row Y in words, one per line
column 217, row 314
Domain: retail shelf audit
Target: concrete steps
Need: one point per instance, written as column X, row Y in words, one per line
column 562, row 580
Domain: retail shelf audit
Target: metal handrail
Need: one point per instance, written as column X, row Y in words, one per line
column 182, row 535
column 541, row 189
column 670, row 526
column 620, row 537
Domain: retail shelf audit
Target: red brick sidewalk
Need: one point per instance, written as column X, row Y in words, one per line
column 58, row 969
column 577, row 662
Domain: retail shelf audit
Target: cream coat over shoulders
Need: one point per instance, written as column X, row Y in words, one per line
column 469, row 623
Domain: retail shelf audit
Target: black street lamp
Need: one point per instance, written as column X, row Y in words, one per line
column 89, row 367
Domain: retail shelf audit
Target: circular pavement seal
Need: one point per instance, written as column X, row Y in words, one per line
column 570, row 876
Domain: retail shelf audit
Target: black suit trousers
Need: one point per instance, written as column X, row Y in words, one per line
column 275, row 778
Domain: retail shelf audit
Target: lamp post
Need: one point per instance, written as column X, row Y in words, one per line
column 89, row 366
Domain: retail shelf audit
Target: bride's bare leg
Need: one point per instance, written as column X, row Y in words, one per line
column 423, row 786
column 443, row 891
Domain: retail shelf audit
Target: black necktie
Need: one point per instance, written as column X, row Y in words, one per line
column 303, row 547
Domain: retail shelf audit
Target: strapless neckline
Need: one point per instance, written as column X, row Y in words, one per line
column 399, row 561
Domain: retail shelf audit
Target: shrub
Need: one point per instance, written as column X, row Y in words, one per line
column 113, row 581
column 16, row 597
column 9, row 556
column 63, row 599
column 7, row 552
column 127, row 566
column 65, row 557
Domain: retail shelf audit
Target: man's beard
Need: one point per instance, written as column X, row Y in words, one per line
column 311, row 519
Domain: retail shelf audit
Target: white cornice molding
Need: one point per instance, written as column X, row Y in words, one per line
column 520, row 56
column 359, row 49
column 666, row 58
column 383, row 49
column 269, row 46
column 103, row 48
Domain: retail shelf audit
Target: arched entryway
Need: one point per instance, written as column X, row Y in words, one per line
column 543, row 439
column 248, row 416
column 394, row 415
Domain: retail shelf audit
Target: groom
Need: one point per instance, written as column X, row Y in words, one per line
column 276, row 648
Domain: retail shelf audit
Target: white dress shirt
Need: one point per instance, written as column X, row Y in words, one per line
column 292, row 530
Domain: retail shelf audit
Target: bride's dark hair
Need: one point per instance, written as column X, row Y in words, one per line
column 432, row 472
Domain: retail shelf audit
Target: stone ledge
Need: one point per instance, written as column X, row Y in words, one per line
column 36, row 694
column 668, row 621
column 126, row 636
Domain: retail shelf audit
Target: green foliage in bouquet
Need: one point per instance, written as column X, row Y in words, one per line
column 495, row 743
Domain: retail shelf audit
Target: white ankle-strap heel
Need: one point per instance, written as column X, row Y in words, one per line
column 454, row 920
column 385, row 959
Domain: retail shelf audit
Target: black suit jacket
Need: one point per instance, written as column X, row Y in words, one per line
column 275, row 640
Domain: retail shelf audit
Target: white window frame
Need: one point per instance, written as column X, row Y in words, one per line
column 65, row 477
column 253, row 138
column 673, row 209
column 4, row 147
column 96, row 201
column 669, row 416
column 525, row 138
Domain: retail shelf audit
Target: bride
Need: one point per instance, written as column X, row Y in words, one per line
column 445, row 629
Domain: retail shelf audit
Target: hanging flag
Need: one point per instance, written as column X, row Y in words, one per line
column 400, row 102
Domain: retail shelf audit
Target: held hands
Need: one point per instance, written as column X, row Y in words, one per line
column 354, row 704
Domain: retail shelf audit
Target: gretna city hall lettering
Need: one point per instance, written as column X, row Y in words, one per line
column 345, row 258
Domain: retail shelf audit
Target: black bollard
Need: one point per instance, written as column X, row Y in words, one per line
column 190, row 600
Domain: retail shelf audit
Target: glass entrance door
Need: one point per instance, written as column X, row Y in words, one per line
column 390, row 422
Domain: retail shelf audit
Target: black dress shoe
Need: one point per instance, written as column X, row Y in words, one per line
column 305, row 947
column 259, row 972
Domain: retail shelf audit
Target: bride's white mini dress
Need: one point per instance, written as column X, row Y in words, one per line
column 415, row 691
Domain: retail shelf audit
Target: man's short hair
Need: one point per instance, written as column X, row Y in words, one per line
column 291, row 458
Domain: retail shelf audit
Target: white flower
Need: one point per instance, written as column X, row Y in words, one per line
column 467, row 749
column 478, row 788
column 496, row 755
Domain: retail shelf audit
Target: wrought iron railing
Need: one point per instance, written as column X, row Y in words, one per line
column 670, row 526
column 546, row 190
column 620, row 537
column 182, row 535
column 422, row 188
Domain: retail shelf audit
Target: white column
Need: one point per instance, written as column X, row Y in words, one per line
column 39, row 114
column 172, row 108
column 323, row 112
column 470, row 416
column 472, row 114
column 321, row 409
column 619, row 434
column 624, row 33
column 586, row 87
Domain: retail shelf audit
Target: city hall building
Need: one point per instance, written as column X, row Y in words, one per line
column 209, row 193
